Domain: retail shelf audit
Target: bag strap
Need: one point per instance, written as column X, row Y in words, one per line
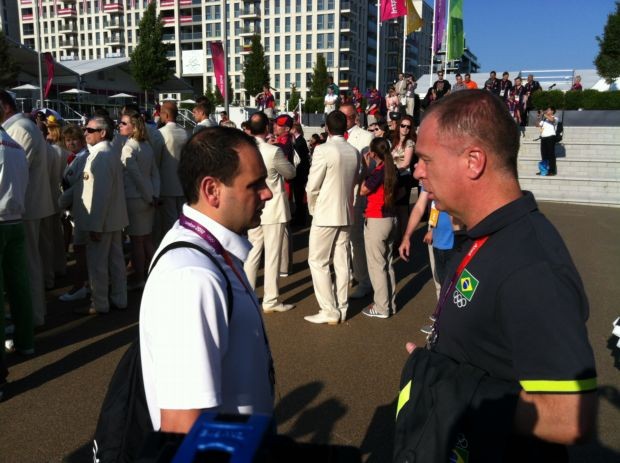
column 187, row 244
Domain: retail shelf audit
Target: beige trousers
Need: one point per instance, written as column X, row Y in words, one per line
column 330, row 244
column 106, row 267
column 379, row 237
column 270, row 238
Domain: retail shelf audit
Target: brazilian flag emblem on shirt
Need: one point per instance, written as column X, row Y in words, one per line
column 467, row 285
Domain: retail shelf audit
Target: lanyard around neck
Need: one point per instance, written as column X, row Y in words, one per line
column 432, row 337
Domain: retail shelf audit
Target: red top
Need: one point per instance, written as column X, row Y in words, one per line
column 375, row 207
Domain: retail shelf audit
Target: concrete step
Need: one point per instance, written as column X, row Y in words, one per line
column 573, row 190
column 581, row 134
column 575, row 151
column 575, row 168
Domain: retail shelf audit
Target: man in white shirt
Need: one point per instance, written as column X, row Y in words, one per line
column 333, row 174
column 269, row 235
column 197, row 354
column 548, row 124
column 39, row 202
column 202, row 116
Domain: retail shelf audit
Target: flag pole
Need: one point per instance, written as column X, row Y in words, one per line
column 431, row 67
column 445, row 66
column 38, row 26
column 225, row 49
column 404, row 42
column 378, row 42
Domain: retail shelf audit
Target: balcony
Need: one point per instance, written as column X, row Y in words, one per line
column 345, row 26
column 246, row 49
column 345, row 64
column 114, row 25
column 67, row 13
column 188, row 18
column 69, row 44
column 185, row 3
column 69, row 28
column 168, row 21
column 250, row 12
column 69, row 2
column 113, row 8
column 25, row 2
column 166, row 4
column 115, row 40
column 249, row 31
column 116, row 54
column 345, row 7
column 69, row 58
column 27, row 18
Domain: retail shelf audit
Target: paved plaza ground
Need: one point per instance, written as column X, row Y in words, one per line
column 335, row 384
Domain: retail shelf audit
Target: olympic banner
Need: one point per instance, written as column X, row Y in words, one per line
column 217, row 55
column 49, row 62
column 391, row 9
column 440, row 23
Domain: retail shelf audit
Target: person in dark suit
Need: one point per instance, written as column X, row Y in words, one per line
column 299, row 185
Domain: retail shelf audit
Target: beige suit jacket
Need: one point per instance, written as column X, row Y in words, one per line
column 333, row 173
column 277, row 209
column 175, row 138
column 39, row 203
column 101, row 193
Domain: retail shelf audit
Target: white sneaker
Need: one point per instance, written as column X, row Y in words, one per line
column 322, row 317
column 279, row 308
column 81, row 293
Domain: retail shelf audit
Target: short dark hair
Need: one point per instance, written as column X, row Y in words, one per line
column 336, row 123
column 211, row 152
column 482, row 116
column 204, row 107
column 73, row 131
column 258, row 123
column 7, row 99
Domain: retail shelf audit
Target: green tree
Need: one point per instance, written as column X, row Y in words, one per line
column 608, row 60
column 319, row 77
column 149, row 65
column 9, row 69
column 293, row 100
column 219, row 98
column 255, row 68
column 209, row 94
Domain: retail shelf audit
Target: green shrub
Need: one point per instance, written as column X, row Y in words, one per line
column 587, row 99
column 314, row 104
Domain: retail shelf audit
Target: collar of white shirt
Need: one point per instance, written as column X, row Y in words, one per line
column 235, row 244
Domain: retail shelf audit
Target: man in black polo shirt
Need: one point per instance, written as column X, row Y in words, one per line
column 517, row 308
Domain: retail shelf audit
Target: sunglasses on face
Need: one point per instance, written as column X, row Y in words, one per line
column 91, row 130
column 405, row 126
column 123, row 123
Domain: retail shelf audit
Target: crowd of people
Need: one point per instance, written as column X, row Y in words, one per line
column 236, row 193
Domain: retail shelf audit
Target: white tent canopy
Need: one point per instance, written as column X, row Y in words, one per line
column 122, row 95
column 26, row 87
column 74, row 91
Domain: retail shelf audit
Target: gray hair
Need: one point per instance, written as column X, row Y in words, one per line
column 106, row 124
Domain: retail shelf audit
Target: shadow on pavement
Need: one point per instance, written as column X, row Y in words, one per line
column 379, row 439
column 72, row 361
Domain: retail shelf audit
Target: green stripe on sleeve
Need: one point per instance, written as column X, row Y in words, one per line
column 572, row 385
column 403, row 397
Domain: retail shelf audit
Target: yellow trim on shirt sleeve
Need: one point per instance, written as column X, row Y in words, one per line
column 543, row 385
column 403, row 397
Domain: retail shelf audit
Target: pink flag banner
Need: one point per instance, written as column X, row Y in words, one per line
column 49, row 62
column 391, row 9
column 440, row 23
column 217, row 55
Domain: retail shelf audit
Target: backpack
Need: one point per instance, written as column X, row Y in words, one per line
column 124, row 420
column 559, row 131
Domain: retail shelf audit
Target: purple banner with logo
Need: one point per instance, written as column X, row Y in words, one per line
column 440, row 23
column 217, row 55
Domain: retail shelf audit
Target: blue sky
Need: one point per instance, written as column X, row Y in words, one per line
column 534, row 34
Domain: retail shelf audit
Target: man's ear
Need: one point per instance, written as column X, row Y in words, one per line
column 476, row 162
column 210, row 191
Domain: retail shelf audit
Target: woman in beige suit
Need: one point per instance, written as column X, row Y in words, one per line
column 141, row 192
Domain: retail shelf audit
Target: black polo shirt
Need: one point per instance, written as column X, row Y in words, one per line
column 519, row 308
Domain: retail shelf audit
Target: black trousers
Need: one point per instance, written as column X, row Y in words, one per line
column 547, row 152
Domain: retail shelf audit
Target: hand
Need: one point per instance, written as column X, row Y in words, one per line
column 95, row 236
column 428, row 237
column 403, row 249
column 410, row 347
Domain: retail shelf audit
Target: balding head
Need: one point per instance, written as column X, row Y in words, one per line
column 169, row 111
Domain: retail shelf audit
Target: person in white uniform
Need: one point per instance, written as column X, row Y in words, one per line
column 194, row 356
column 102, row 210
column 38, row 195
column 333, row 174
column 141, row 180
column 175, row 137
column 269, row 235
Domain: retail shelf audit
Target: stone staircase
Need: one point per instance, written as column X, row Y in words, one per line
column 588, row 161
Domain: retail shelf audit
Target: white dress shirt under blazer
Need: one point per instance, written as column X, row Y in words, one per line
column 38, row 195
column 277, row 209
column 175, row 138
column 333, row 173
column 102, row 205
